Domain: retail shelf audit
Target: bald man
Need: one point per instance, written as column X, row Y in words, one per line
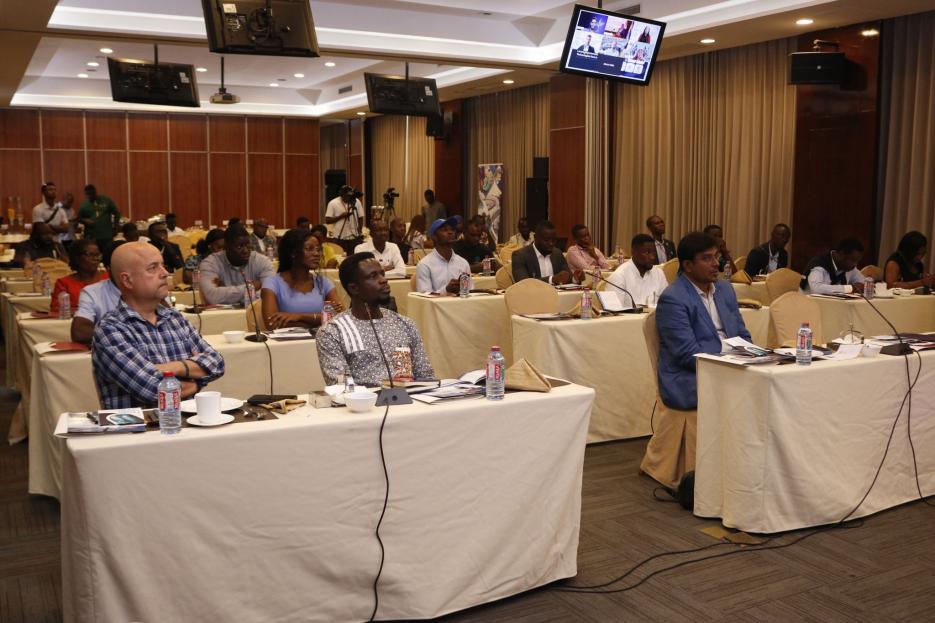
column 138, row 341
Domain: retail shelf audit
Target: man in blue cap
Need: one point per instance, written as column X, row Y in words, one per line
column 440, row 270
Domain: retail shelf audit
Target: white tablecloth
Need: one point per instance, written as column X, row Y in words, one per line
column 911, row 314
column 785, row 447
column 274, row 521
column 10, row 306
column 68, row 385
column 608, row 354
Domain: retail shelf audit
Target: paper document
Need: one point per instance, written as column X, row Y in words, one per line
column 847, row 351
column 613, row 302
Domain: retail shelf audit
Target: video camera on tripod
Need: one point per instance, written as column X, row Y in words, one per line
column 389, row 197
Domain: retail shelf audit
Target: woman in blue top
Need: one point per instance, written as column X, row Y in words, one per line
column 295, row 296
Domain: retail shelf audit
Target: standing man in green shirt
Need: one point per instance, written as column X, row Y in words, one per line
column 100, row 217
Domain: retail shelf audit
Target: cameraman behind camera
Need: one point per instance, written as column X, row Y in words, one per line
column 347, row 214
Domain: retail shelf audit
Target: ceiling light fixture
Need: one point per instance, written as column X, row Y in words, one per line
column 507, row 81
column 93, row 64
column 106, row 51
column 707, row 41
column 298, row 75
column 82, row 75
column 361, row 114
column 274, row 84
column 805, row 21
column 870, row 32
column 201, row 69
column 330, row 64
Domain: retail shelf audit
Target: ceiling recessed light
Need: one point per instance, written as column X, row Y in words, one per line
column 805, row 21
column 274, row 84
column 298, row 75
column 106, row 51
column 330, row 64
column 82, row 75
column 870, row 32
column 707, row 41
column 201, row 69
column 361, row 114
column 507, row 81
column 93, row 64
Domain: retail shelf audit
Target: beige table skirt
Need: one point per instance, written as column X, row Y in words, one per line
column 608, row 354
column 12, row 305
column 68, row 380
column 274, row 521
column 910, row 314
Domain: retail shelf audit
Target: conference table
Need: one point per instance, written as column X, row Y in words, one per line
column 909, row 314
column 275, row 520
column 786, row 447
column 609, row 354
column 17, row 285
column 458, row 333
column 29, row 331
column 66, row 382
column 11, row 305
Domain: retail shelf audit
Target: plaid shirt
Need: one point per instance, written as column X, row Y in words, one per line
column 126, row 348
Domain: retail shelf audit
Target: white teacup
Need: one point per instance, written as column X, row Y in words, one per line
column 234, row 337
column 208, row 407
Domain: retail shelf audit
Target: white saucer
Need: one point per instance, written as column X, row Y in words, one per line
column 227, row 404
column 225, row 419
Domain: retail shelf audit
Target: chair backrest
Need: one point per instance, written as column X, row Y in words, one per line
column 741, row 262
column 336, row 248
column 506, row 253
column 651, row 336
column 57, row 272
column 872, row 271
column 741, row 276
column 781, row 281
column 412, row 283
column 504, row 276
column 50, row 263
column 671, row 269
column 420, row 253
column 531, row 296
column 255, row 308
column 184, row 243
column 788, row 312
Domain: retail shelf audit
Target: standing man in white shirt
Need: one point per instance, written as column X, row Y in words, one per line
column 173, row 226
column 835, row 272
column 346, row 213
column 50, row 212
column 385, row 252
column 641, row 277
column 440, row 270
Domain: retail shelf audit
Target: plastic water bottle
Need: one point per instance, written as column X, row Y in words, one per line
column 619, row 254
column 270, row 252
column 64, row 306
column 803, row 345
column 868, row 288
column 46, row 285
column 36, row 278
column 586, row 305
column 727, row 271
column 486, row 266
column 349, row 385
column 412, row 257
column 496, row 367
column 464, row 282
column 169, row 405
column 249, row 293
column 196, row 285
column 327, row 313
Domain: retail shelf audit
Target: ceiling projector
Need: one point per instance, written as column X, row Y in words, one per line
column 223, row 97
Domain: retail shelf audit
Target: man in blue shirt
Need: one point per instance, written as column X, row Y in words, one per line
column 141, row 339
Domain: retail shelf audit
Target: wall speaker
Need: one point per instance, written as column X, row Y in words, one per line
column 816, row 67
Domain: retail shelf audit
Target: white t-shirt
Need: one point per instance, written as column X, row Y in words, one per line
column 391, row 259
column 627, row 276
column 349, row 228
column 42, row 212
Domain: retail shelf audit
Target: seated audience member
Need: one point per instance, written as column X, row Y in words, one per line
column 415, row 237
column 835, row 272
column 771, row 255
column 523, row 236
column 383, row 250
column 487, row 236
column 583, row 255
column 95, row 301
column 138, row 341
column 473, row 250
column 440, row 270
column 296, row 296
column 224, row 274
column 641, row 276
column 904, row 268
column 42, row 242
column 172, row 225
column 329, row 255
column 694, row 315
column 724, row 258
column 398, row 237
column 171, row 253
column 541, row 260
column 212, row 243
column 303, row 223
column 130, row 233
column 261, row 240
column 233, row 222
column 665, row 248
column 349, row 341
column 84, row 260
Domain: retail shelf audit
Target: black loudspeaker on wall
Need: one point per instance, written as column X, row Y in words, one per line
column 540, row 167
column 439, row 126
column 334, row 180
column 816, row 67
column 537, row 200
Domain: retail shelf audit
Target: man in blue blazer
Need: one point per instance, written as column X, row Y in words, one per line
column 694, row 314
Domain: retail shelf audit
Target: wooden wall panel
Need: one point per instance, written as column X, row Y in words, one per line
column 62, row 129
column 148, row 131
column 227, row 133
column 106, row 130
column 266, row 192
column 188, row 132
column 149, row 183
column 189, row 189
column 566, row 152
column 107, row 170
column 19, row 129
column 66, row 169
column 566, row 101
column 302, row 136
column 834, row 194
column 355, row 159
column 264, row 135
column 302, row 187
column 20, row 176
column 228, row 186
column 449, row 162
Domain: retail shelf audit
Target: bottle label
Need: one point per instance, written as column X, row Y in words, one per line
column 169, row 400
column 494, row 371
column 804, row 341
